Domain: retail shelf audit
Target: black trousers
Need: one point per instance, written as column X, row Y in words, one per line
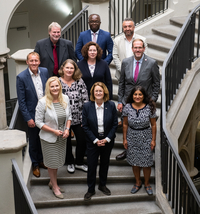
column 80, row 146
column 93, row 153
column 35, row 150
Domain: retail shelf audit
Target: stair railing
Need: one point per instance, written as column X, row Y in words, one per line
column 23, row 201
column 79, row 23
column 177, row 184
column 138, row 10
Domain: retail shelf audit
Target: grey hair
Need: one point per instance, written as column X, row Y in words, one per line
column 53, row 24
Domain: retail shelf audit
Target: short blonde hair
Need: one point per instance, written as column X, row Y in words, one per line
column 105, row 89
column 48, row 96
column 34, row 54
column 53, row 24
column 77, row 73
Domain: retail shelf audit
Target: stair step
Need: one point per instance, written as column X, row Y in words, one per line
column 178, row 21
column 159, row 56
column 74, row 194
column 116, row 208
column 167, row 31
column 159, row 43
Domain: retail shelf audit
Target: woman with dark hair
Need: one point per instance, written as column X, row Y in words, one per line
column 74, row 87
column 99, row 124
column 93, row 68
column 139, row 135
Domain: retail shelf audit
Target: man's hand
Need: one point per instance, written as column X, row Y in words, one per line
column 31, row 123
column 120, row 107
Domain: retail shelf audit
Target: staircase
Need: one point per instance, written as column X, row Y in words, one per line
column 120, row 176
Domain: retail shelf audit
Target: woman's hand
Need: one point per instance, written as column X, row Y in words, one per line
column 66, row 133
column 58, row 133
column 125, row 144
column 101, row 142
column 153, row 144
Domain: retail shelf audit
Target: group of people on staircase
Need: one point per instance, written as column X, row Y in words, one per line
column 62, row 95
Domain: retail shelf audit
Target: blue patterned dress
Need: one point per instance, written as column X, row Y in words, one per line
column 139, row 135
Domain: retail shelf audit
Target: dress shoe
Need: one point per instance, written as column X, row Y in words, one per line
column 88, row 195
column 50, row 187
column 104, row 189
column 136, row 188
column 60, row 196
column 41, row 165
column 121, row 156
column 149, row 190
column 36, row 171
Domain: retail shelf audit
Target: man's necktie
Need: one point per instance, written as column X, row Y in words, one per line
column 55, row 70
column 94, row 37
column 136, row 71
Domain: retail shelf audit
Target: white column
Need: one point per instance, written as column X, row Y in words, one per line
column 11, row 144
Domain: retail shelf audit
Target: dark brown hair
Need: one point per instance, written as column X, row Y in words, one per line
column 86, row 47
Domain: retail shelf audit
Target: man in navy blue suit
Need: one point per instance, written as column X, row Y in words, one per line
column 30, row 88
column 101, row 37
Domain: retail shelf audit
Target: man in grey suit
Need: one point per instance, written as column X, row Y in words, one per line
column 148, row 77
column 54, row 50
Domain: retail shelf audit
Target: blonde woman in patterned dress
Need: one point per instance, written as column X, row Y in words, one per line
column 53, row 117
column 139, row 135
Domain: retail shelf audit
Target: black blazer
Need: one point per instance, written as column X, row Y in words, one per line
column 101, row 74
column 44, row 49
column 89, row 120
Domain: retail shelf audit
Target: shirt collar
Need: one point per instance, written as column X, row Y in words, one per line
column 57, row 43
column 95, row 32
column 96, row 106
column 132, row 37
column 31, row 73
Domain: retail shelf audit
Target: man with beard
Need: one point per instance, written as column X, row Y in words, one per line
column 54, row 50
column 101, row 37
column 123, row 44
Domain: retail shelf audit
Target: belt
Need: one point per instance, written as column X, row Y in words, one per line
column 141, row 128
column 101, row 134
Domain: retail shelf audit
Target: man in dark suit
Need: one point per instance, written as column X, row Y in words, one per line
column 30, row 87
column 137, row 70
column 101, row 37
column 54, row 50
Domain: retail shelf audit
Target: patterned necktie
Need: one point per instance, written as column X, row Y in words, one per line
column 94, row 37
column 55, row 70
column 136, row 71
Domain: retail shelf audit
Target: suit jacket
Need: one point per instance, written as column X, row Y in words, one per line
column 26, row 93
column 119, row 51
column 101, row 74
column 49, row 117
column 44, row 49
column 148, row 77
column 104, row 40
column 90, row 124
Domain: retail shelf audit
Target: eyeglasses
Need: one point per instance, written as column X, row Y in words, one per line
column 94, row 22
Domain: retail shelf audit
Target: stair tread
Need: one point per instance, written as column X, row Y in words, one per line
column 116, row 208
column 74, row 193
column 168, row 30
column 179, row 19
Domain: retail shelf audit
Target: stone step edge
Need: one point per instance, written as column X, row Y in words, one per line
column 95, row 200
column 83, row 180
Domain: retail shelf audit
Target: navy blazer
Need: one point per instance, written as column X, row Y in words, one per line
column 101, row 74
column 104, row 40
column 89, row 120
column 44, row 49
column 26, row 93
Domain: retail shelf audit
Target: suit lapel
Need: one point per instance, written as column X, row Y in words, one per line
column 99, row 38
column 61, row 52
column 143, row 67
column 105, row 115
column 30, row 82
column 49, row 50
column 93, row 112
column 130, row 66
column 43, row 80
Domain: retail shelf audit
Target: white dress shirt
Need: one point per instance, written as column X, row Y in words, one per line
column 100, row 112
column 37, row 83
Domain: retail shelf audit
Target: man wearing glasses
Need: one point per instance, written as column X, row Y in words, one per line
column 101, row 37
